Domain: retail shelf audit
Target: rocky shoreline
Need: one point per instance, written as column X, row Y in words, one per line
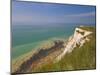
column 42, row 54
column 54, row 53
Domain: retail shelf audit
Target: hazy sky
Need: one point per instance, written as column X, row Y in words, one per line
column 29, row 13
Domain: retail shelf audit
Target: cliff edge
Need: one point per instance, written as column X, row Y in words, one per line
column 54, row 57
column 79, row 38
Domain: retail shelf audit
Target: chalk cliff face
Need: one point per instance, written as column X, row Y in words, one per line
column 54, row 53
column 78, row 39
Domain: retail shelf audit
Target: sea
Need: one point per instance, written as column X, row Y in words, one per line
column 26, row 38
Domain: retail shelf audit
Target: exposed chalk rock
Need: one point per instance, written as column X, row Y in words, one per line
column 78, row 39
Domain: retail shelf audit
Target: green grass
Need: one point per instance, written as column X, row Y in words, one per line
column 80, row 58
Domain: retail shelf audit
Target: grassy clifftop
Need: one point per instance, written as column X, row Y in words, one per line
column 80, row 58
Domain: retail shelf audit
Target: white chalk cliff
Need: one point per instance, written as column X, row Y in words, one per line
column 78, row 39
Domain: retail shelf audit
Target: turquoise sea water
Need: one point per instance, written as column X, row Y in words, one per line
column 28, row 37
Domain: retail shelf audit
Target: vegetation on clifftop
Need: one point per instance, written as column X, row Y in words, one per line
column 80, row 59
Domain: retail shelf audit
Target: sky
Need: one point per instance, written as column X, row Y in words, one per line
column 32, row 13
